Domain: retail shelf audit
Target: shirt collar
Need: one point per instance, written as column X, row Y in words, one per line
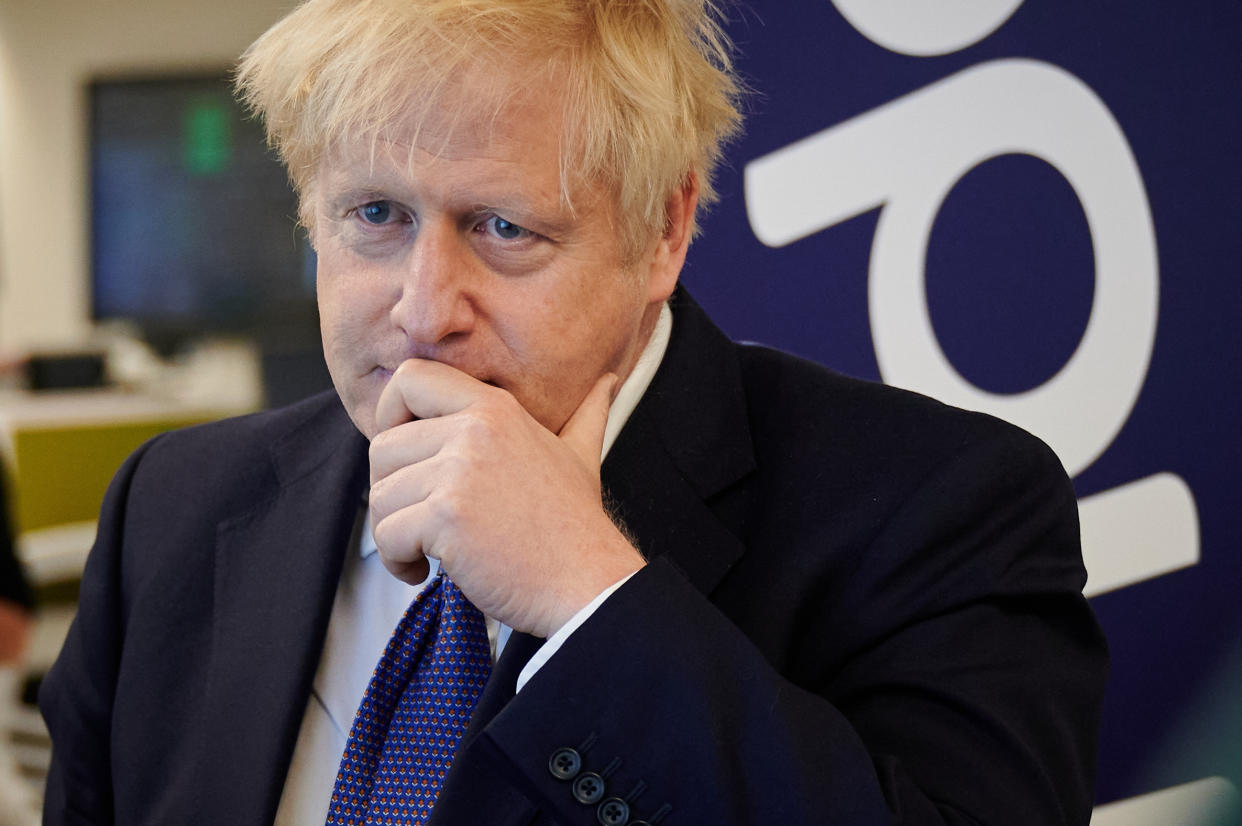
column 639, row 380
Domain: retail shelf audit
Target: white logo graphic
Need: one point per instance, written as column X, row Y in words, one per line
column 922, row 28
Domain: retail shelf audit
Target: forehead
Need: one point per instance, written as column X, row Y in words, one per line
column 484, row 125
column 481, row 105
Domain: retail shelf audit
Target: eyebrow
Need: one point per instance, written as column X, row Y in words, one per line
column 361, row 194
column 557, row 220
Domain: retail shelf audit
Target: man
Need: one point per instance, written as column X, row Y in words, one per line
column 785, row 597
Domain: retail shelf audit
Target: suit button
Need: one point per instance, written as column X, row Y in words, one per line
column 613, row 812
column 589, row 788
column 564, row 764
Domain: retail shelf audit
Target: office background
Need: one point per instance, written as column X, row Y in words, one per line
column 1029, row 208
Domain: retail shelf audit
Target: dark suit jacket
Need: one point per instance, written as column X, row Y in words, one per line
column 862, row 607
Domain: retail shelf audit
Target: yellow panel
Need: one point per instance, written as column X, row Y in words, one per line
column 62, row 472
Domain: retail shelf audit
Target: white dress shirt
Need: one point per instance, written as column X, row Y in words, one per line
column 370, row 602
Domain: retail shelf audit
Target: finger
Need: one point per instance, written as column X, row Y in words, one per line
column 413, row 572
column 397, row 537
column 425, row 389
column 404, row 487
column 584, row 432
column 407, row 444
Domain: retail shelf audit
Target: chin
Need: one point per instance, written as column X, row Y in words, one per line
column 362, row 416
column 360, row 406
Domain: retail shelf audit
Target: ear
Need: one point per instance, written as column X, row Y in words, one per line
column 671, row 247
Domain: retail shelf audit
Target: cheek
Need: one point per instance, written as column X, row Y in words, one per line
column 346, row 330
column 350, row 302
column 333, row 314
column 568, row 353
column 345, row 335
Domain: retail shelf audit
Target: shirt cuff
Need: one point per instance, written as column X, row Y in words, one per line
column 554, row 642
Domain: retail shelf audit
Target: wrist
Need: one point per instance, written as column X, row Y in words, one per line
column 600, row 572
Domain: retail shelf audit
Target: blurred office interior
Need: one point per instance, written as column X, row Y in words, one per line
column 152, row 275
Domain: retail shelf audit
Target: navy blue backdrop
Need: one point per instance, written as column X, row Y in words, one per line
column 1013, row 270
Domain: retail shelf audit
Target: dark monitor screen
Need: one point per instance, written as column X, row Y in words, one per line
column 193, row 221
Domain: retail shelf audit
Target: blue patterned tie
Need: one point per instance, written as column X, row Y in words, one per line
column 414, row 712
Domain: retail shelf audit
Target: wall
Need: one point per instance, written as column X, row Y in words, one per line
column 48, row 50
column 1030, row 208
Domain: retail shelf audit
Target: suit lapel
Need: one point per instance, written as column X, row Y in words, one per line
column 276, row 572
column 687, row 441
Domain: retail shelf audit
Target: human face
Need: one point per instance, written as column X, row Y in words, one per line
column 457, row 246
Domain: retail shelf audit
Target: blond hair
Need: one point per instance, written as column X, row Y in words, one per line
column 650, row 96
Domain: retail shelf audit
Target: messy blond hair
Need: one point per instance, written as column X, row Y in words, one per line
column 650, row 96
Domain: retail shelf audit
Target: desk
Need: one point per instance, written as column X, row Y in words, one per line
column 63, row 448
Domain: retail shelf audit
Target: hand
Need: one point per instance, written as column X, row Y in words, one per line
column 462, row 473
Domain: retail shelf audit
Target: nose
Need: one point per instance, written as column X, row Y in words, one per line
column 435, row 303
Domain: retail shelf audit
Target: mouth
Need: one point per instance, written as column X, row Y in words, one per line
column 385, row 374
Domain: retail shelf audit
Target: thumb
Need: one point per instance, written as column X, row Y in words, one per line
column 584, row 432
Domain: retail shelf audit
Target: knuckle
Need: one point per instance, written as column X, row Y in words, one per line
column 479, row 423
column 505, row 402
column 379, row 446
column 377, row 498
column 383, row 533
column 452, row 465
column 446, row 505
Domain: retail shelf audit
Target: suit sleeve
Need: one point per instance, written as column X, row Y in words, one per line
column 76, row 697
column 949, row 673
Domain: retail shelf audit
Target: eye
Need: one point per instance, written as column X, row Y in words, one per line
column 504, row 230
column 376, row 212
